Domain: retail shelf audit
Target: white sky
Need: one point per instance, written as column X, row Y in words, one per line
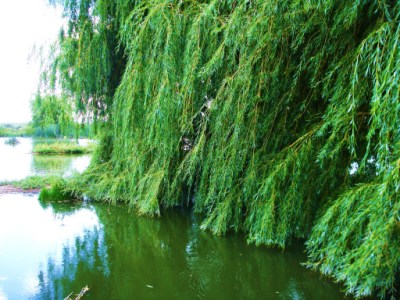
column 23, row 23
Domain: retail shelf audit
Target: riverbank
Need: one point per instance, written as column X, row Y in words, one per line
column 30, row 184
column 11, row 189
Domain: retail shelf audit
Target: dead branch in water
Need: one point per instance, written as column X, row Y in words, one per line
column 82, row 293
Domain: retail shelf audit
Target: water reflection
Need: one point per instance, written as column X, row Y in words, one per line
column 18, row 162
column 82, row 259
column 15, row 161
column 30, row 236
column 59, row 164
column 121, row 256
column 49, row 250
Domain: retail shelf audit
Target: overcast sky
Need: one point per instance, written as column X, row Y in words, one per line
column 23, row 23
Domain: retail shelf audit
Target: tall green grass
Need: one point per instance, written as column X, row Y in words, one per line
column 32, row 182
column 62, row 148
column 50, row 188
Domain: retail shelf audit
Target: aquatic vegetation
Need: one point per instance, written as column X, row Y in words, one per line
column 13, row 141
column 280, row 118
column 62, row 148
column 55, row 191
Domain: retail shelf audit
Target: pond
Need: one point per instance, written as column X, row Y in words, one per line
column 50, row 250
column 18, row 161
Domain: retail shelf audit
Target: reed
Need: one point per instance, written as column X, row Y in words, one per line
column 62, row 148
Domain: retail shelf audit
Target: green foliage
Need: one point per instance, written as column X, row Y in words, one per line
column 55, row 192
column 62, row 148
column 52, row 116
column 91, row 35
column 357, row 239
column 281, row 117
column 32, row 182
column 10, row 130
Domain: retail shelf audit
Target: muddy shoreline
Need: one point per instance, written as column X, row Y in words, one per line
column 10, row 189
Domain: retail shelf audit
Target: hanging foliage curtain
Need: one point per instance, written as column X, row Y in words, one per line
column 280, row 118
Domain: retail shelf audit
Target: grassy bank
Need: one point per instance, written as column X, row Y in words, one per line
column 62, row 148
column 32, row 182
column 51, row 188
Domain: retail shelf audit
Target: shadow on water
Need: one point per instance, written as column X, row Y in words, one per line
column 127, row 257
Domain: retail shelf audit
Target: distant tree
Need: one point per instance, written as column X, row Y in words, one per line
column 52, row 116
column 90, row 35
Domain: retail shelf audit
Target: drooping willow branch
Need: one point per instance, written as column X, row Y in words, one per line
column 279, row 118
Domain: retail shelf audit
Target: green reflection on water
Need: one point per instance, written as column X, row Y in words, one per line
column 19, row 162
column 54, row 164
column 171, row 258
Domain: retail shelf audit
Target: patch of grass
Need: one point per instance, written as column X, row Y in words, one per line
column 52, row 188
column 55, row 192
column 32, row 182
column 63, row 148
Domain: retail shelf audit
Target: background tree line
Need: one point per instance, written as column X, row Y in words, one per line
column 54, row 116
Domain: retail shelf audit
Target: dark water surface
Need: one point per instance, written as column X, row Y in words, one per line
column 49, row 251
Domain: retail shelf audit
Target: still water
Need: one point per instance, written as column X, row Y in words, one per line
column 18, row 162
column 50, row 250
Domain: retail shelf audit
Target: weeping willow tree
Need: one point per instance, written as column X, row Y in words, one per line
column 52, row 116
column 280, row 119
column 86, row 62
